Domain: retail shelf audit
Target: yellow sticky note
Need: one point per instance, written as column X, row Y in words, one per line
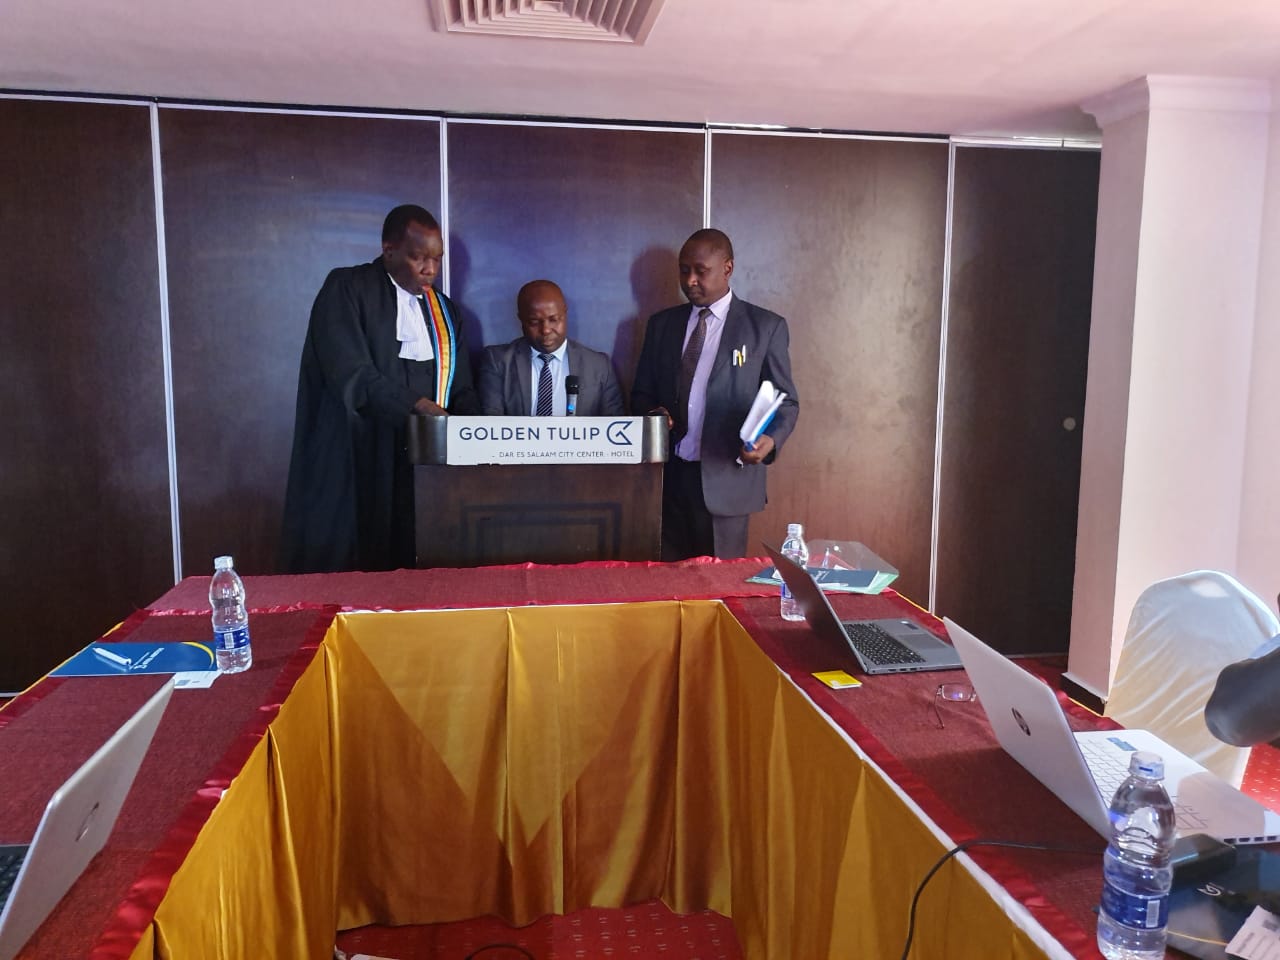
column 838, row 679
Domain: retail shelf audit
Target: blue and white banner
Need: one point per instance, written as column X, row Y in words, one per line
column 520, row 440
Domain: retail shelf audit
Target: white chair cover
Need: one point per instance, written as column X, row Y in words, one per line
column 1182, row 632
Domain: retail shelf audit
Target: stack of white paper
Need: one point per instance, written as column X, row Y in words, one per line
column 768, row 400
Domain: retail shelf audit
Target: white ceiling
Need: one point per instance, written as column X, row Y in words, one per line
column 930, row 66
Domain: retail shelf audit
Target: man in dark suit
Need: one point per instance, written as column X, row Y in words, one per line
column 381, row 344
column 702, row 365
column 526, row 377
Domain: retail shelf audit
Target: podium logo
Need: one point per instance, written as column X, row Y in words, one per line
column 617, row 433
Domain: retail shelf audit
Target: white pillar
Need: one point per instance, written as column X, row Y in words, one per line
column 1260, row 499
column 1174, row 306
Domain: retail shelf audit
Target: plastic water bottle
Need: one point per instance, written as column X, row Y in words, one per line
column 1136, row 870
column 793, row 548
column 230, row 619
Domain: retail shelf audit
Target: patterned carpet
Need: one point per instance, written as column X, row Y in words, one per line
column 647, row 930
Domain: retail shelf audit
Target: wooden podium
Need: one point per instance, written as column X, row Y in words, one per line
column 478, row 515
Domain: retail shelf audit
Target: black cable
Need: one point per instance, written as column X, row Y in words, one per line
column 961, row 848
column 499, row 946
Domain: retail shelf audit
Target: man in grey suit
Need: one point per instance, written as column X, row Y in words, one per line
column 526, row 377
column 702, row 365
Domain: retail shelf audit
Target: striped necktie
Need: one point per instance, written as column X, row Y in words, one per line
column 546, row 390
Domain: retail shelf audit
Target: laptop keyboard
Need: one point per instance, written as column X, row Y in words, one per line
column 879, row 646
column 1110, row 767
column 10, row 863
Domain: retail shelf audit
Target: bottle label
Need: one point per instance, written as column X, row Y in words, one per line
column 231, row 639
column 1134, row 909
column 786, row 591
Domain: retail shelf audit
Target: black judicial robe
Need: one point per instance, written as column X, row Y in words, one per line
column 349, row 500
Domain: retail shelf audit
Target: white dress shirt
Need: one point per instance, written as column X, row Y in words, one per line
column 690, row 445
column 559, row 370
column 411, row 325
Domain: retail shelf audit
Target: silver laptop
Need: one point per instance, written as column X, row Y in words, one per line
column 1084, row 769
column 75, row 826
column 880, row 646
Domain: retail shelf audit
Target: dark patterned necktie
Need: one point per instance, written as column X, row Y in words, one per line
column 689, row 361
column 545, row 387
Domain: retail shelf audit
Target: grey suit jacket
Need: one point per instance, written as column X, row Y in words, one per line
column 506, row 383
column 729, row 489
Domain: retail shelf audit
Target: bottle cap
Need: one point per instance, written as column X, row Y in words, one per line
column 223, row 563
column 795, row 529
column 1145, row 764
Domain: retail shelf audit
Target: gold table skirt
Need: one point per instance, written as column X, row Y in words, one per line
column 435, row 766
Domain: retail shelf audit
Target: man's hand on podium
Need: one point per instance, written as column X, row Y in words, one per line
column 662, row 411
column 429, row 408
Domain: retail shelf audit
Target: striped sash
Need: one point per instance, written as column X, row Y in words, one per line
column 443, row 341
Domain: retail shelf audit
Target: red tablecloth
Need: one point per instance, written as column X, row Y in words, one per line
column 959, row 775
column 506, row 586
column 201, row 744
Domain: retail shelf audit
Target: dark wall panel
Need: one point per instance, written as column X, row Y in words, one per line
column 84, row 528
column 1017, row 358
column 258, row 209
column 601, row 212
column 845, row 238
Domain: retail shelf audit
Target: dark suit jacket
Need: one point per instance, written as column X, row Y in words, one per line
column 729, row 489
column 506, row 383
column 345, row 504
column 1244, row 708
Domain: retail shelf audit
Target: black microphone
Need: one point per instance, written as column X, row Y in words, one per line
column 571, row 395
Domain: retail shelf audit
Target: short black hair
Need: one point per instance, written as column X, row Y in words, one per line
column 717, row 240
column 532, row 288
column 398, row 221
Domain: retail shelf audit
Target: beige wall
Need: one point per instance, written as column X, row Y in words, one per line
column 1260, row 491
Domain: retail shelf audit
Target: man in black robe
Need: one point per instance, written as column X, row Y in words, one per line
column 381, row 344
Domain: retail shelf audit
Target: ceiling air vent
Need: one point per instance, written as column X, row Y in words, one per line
column 622, row 21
